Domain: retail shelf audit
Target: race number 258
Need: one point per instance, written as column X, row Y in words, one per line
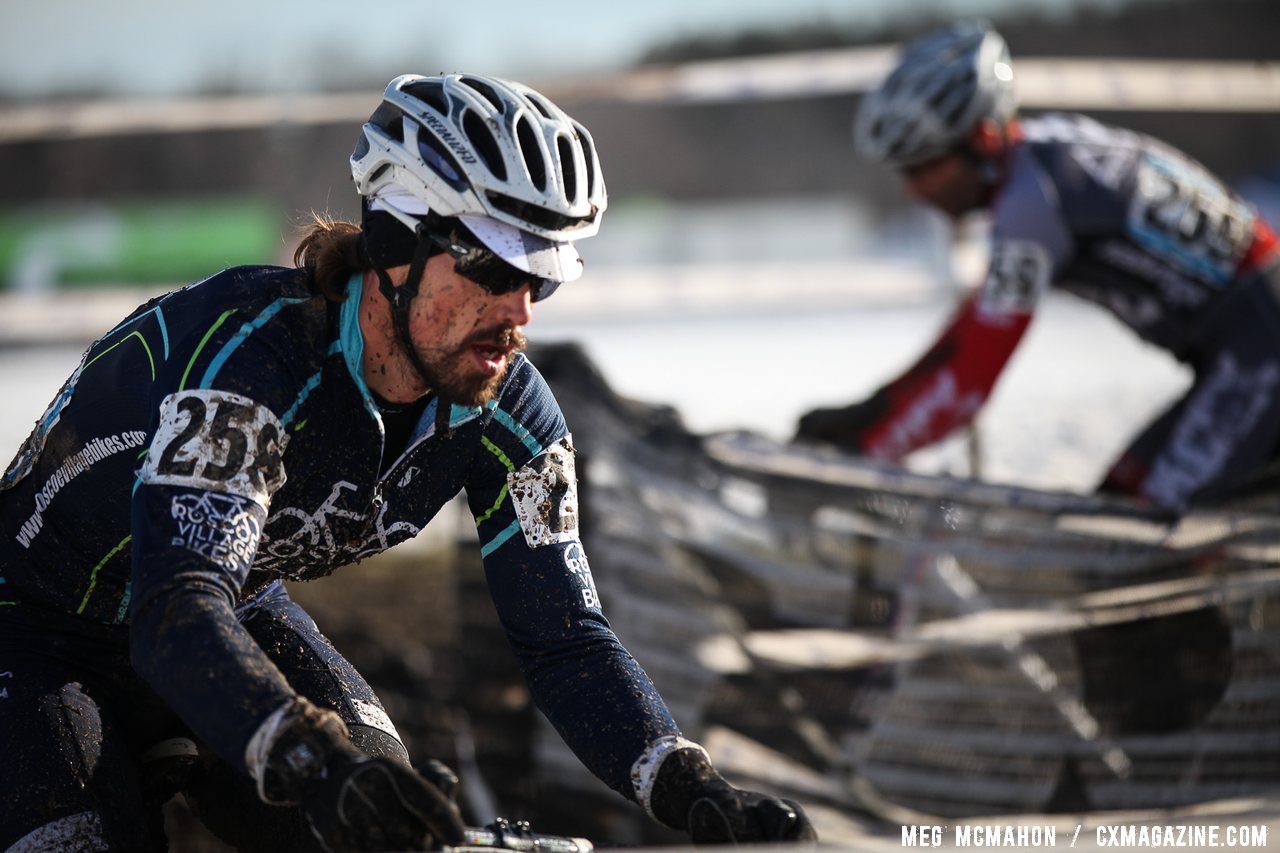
column 218, row 441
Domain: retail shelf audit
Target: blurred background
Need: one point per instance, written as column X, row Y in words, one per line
column 749, row 268
column 746, row 249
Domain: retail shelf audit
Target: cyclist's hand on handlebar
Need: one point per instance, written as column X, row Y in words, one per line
column 362, row 803
column 842, row 427
column 304, row 756
column 724, row 814
column 689, row 794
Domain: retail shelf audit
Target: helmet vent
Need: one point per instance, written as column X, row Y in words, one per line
column 939, row 96
column 567, row 169
column 439, row 160
column 485, row 91
column 966, row 83
column 431, row 93
column 390, row 120
column 587, row 157
column 896, row 149
column 538, row 216
column 540, row 104
column 533, row 159
column 485, row 145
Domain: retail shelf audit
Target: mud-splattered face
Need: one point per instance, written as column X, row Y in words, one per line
column 464, row 335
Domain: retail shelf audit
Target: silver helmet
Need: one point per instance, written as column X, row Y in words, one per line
column 517, row 170
column 944, row 83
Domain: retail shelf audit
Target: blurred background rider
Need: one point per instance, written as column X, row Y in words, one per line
column 1110, row 215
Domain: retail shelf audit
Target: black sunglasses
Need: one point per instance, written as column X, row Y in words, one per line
column 490, row 272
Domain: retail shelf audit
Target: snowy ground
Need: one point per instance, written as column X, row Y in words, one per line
column 1077, row 387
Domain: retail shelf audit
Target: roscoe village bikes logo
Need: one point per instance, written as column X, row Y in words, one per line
column 223, row 528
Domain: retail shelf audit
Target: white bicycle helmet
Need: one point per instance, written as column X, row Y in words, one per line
column 944, row 83
column 513, row 167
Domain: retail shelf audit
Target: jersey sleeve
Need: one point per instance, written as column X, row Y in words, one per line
column 216, row 457
column 949, row 384
column 524, row 495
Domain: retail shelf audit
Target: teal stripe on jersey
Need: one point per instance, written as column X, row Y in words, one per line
column 164, row 330
column 459, row 415
column 311, row 385
column 496, row 542
column 353, row 342
column 245, row 331
column 518, row 430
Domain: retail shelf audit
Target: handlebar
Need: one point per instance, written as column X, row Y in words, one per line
column 504, row 835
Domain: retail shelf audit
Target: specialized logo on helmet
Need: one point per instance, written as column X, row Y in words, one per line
column 455, row 145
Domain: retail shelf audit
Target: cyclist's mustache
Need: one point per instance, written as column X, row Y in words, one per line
column 499, row 337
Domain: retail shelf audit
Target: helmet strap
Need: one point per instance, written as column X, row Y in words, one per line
column 400, row 298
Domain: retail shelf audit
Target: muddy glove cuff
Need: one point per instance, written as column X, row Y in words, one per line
column 688, row 794
column 292, row 746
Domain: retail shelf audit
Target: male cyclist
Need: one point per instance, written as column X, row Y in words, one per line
column 1113, row 216
column 271, row 423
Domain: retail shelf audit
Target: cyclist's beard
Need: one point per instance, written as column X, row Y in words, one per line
column 451, row 373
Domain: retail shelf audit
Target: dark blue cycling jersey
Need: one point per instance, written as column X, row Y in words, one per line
column 222, row 438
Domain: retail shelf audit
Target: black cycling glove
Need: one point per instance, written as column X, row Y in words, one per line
column 361, row 803
column 351, row 801
column 689, row 794
column 842, row 427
